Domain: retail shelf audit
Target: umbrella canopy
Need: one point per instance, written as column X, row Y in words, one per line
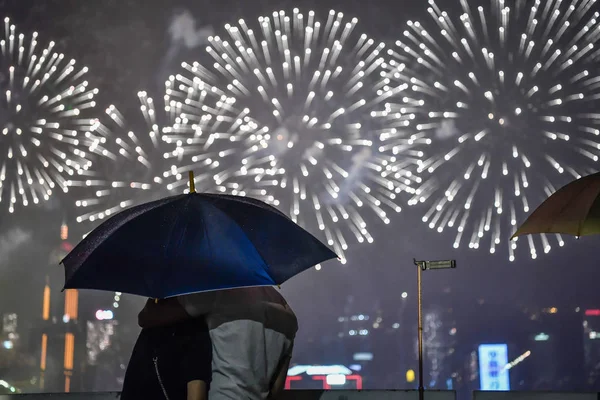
column 192, row 243
column 573, row 210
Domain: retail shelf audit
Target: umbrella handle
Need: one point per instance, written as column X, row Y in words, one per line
column 192, row 183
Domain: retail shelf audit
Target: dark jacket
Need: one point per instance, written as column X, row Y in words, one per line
column 165, row 359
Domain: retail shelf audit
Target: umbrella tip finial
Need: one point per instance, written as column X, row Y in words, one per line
column 192, row 184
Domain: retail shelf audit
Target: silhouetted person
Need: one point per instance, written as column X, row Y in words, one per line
column 170, row 362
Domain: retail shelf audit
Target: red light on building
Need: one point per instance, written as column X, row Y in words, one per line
column 289, row 380
column 348, row 378
column 356, row 379
column 592, row 313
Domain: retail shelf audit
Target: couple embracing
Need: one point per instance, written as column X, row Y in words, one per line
column 225, row 344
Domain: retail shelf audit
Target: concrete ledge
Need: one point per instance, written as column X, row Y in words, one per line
column 534, row 396
column 343, row 395
column 61, row 396
column 289, row 395
column 365, row 395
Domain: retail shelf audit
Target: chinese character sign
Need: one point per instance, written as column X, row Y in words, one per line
column 493, row 360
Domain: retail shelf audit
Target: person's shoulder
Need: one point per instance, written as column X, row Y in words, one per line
column 274, row 296
column 196, row 304
column 262, row 293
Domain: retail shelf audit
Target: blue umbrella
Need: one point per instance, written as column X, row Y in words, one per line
column 192, row 243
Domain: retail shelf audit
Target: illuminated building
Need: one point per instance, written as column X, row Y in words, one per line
column 400, row 343
column 9, row 336
column 439, row 335
column 99, row 335
column 9, row 323
column 323, row 377
column 591, row 340
column 544, row 346
column 480, row 327
column 557, row 350
column 59, row 333
column 9, row 339
column 358, row 329
column 351, row 339
column 16, row 361
column 102, row 364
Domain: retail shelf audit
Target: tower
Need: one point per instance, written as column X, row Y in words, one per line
column 59, row 324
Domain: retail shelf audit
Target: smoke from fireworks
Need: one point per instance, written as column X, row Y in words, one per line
column 183, row 35
column 42, row 123
column 307, row 94
column 183, row 31
column 11, row 240
column 503, row 102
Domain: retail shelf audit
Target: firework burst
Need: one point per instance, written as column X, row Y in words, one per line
column 42, row 122
column 133, row 162
column 503, row 102
column 155, row 162
column 308, row 94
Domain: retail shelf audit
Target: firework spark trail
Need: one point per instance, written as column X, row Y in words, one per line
column 503, row 101
column 43, row 118
column 308, row 94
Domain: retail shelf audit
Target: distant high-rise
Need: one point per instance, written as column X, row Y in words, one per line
column 557, row 350
column 59, row 328
column 101, row 361
column 545, row 345
column 591, row 340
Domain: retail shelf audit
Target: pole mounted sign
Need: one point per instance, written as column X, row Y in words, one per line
column 424, row 266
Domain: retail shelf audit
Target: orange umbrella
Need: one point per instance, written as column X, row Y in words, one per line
column 573, row 210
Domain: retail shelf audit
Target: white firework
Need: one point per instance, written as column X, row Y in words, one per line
column 503, row 102
column 308, row 94
column 44, row 103
column 154, row 163
column 132, row 161
column 208, row 127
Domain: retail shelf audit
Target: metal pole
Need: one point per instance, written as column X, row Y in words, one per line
column 420, row 334
column 422, row 266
